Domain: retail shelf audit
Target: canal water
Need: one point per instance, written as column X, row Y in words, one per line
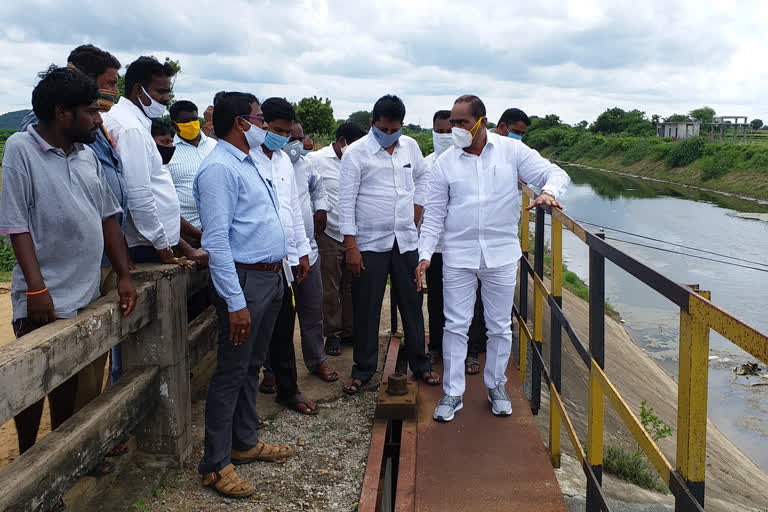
column 735, row 227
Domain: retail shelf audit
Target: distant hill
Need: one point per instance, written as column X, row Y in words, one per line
column 12, row 120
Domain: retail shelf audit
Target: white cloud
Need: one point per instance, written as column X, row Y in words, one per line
column 574, row 58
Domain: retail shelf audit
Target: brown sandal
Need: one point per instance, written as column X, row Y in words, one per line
column 472, row 366
column 299, row 403
column 352, row 386
column 431, row 378
column 268, row 385
column 262, row 452
column 325, row 372
column 228, row 483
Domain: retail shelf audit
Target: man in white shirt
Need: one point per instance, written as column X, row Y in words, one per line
column 473, row 196
column 153, row 226
column 192, row 146
column 309, row 294
column 275, row 166
column 381, row 193
column 337, row 280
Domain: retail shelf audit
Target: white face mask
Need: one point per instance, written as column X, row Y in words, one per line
column 343, row 148
column 461, row 137
column 154, row 109
column 255, row 136
column 441, row 141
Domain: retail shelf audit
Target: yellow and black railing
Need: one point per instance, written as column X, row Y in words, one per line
column 697, row 316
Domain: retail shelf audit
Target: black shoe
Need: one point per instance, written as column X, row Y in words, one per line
column 333, row 346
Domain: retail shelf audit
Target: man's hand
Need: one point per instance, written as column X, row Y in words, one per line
column 40, row 308
column 199, row 256
column 239, row 326
column 321, row 221
column 167, row 256
column 127, row 293
column 354, row 260
column 303, row 270
column 418, row 212
column 544, row 199
column 421, row 268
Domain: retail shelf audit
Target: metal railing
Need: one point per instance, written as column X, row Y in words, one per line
column 697, row 316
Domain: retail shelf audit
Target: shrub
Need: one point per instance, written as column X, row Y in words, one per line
column 7, row 256
column 686, row 152
column 637, row 150
column 632, row 467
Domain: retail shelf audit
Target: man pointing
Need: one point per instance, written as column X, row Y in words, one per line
column 473, row 193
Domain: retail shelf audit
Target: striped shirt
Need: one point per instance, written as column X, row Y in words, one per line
column 183, row 168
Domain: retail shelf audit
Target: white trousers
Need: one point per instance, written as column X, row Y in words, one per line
column 459, row 292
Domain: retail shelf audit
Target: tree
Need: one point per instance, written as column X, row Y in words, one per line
column 756, row 124
column 174, row 64
column 703, row 114
column 677, row 118
column 582, row 125
column 316, row 115
column 616, row 120
column 362, row 118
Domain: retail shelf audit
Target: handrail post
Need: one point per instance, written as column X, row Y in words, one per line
column 692, row 400
column 555, row 341
column 525, row 219
column 538, row 311
column 164, row 436
column 597, row 349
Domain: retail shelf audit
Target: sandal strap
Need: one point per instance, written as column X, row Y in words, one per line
column 226, row 480
column 269, row 450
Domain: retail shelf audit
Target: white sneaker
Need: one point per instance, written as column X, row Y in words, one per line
column 447, row 407
column 500, row 403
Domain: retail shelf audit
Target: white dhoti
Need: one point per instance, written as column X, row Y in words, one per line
column 459, row 292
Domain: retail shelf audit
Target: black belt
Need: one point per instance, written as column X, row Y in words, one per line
column 261, row 267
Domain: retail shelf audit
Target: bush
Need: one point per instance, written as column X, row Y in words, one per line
column 632, row 467
column 637, row 150
column 686, row 152
column 7, row 256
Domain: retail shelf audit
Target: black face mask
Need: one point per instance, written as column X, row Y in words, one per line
column 166, row 152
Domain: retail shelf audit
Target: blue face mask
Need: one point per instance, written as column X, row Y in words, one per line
column 275, row 142
column 384, row 139
column 305, row 152
column 514, row 136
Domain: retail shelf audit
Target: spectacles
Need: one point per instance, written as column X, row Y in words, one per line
column 258, row 118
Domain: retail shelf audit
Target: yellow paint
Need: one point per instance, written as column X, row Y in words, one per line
column 662, row 465
column 558, row 401
column 525, row 335
column 575, row 228
column 554, row 428
column 557, row 257
column 525, row 224
column 595, row 417
column 539, row 285
column 538, row 315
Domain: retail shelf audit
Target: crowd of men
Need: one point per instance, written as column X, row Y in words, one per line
column 94, row 183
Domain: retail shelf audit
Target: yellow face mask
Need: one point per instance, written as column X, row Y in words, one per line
column 190, row 130
column 476, row 128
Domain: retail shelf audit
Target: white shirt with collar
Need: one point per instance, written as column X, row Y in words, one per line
column 429, row 160
column 183, row 168
column 312, row 197
column 278, row 171
column 328, row 167
column 154, row 216
column 377, row 192
column 475, row 199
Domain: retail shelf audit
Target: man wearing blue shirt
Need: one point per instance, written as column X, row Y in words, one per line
column 244, row 237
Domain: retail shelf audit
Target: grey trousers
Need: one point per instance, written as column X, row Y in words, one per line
column 309, row 308
column 230, row 409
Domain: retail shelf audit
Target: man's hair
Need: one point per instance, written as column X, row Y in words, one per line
column 390, row 107
column 161, row 126
column 229, row 107
column 92, row 61
column 277, row 109
column 476, row 105
column 514, row 115
column 181, row 106
column 218, row 96
column 350, row 131
column 441, row 114
column 143, row 69
column 66, row 87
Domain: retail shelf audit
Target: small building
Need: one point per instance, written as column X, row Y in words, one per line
column 678, row 130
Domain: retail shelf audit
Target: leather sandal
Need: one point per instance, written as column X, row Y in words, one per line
column 228, row 483
column 268, row 385
column 262, row 452
column 325, row 372
column 472, row 366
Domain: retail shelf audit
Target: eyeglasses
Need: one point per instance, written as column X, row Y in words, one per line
column 258, row 118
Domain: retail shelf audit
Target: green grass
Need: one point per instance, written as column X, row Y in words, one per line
column 632, row 467
column 5, row 276
column 140, row 506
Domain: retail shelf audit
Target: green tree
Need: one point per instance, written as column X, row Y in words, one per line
column 362, row 118
column 316, row 115
column 582, row 125
column 677, row 118
column 756, row 124
column 174, row 64
column 703, row 114
column 616, row 120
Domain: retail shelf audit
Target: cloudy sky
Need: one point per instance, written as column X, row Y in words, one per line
column 573, row 58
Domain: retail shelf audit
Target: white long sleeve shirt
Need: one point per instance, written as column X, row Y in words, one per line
column 312, row 197
column 154, row 216
column 476, row 200
column 429, row 160
column 278, row 170
column 328, row 167
column 377, row 192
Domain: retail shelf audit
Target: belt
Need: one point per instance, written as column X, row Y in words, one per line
column 261, row 267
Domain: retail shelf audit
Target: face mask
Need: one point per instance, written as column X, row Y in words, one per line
column 275, row 142
column 383, row 139
column 305, row 152
column 514, row 136
column 294, row 150
column 343, row 148
column 463, row 138
column 254, row 136
column 154, row 109
column 190, row 130
column 166, row 153
column 107, row 99
column 441, row 141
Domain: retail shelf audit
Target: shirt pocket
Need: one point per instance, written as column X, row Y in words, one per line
column 406, row 178
column 503, row 180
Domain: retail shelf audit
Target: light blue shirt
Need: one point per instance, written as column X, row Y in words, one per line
column 239, row 213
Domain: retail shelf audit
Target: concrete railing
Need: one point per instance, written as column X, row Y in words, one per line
column 151, row 399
